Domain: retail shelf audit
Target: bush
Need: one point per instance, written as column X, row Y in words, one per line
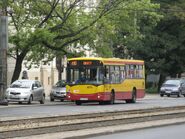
column 152, row 90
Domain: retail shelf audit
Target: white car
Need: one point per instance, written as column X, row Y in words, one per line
column 25, row 91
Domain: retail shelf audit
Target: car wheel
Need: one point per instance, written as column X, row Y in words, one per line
column 51, row 99
column 161, row 95
column 20, row 102
column 61, row 100
column 42, row 101
column 184, row 95
column 168, row 95
column 30, row 99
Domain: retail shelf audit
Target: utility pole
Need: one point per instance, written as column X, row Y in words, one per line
column 3, row 52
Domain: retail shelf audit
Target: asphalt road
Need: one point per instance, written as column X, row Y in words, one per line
column 15, row 110
column 167, row 132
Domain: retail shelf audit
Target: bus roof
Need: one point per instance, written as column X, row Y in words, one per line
column 110, row 61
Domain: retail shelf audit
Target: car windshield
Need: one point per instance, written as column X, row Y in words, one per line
column 171, row 83
column 60, row 84
column 21, row 84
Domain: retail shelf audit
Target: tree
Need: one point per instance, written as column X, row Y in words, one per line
column 170, row 34
column 123, row 30
column 162, row 47
column 37, row 27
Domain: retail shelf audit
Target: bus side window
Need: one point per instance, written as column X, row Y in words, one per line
column 112, row 74
column 117, row 74
column 107, row 73
column 122, row 73
column 140, row 71
column 127, row 71
column 137, row 71
column 131, row 71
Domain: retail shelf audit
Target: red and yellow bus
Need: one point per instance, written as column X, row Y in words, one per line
column 105, row 80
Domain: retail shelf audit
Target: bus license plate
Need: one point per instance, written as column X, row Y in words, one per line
column 83, row 98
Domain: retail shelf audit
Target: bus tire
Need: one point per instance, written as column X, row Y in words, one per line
column 78, row 102
column 133, row 100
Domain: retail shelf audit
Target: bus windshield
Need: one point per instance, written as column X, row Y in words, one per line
column 85, row 75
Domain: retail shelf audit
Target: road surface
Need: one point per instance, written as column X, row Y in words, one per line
column 65, row 108
column 166, row 132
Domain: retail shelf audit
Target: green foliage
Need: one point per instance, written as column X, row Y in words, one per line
column 151, row 90
column 123, row 30
column 46, row 29
column 142, row 29
column 165, row 43
column 149, row 31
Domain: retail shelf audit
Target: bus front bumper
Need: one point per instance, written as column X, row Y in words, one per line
column 89, row 97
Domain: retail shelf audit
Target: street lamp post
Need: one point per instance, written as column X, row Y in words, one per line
column 3, row 55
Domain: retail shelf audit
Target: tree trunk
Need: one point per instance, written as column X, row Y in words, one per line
column 179, row 75
column 161, row 80
column 18, row 66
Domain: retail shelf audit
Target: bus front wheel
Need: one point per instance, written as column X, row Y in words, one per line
column 112, row 98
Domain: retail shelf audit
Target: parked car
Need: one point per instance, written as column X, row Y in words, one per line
column 173, row 87
column 58, row 91
column 25, row 91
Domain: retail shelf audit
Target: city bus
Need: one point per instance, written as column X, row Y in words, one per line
column 105, row 80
